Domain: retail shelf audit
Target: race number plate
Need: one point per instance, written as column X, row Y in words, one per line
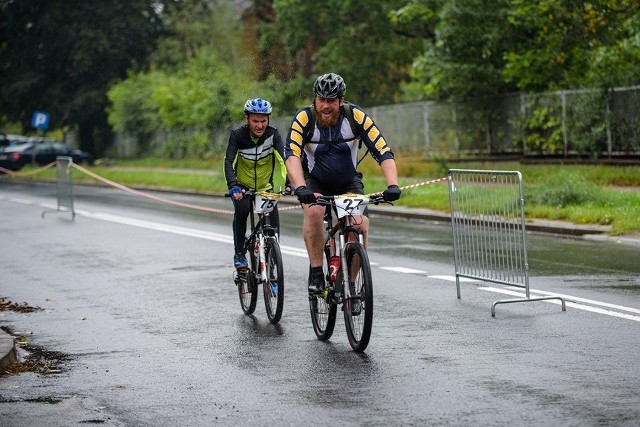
column 265, row 202
column 350, row 204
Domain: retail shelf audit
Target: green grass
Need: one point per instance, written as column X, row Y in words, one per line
column 604, row 195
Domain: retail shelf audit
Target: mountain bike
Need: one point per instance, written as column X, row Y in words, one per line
column 265, row 259
column 347, row 271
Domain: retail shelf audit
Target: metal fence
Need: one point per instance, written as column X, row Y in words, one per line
column 585, row 123
column 489, row 238
column 64, row 186
column 578, row 123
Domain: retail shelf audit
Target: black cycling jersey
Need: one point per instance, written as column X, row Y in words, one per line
column 330, row 154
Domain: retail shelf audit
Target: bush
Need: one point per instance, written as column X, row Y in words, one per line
column 564, row 189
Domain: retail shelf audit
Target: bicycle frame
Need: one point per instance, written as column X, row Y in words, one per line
column 265, row 268
column 342, row 228
column 260, row 229
column 345, row 207
column 349, row 281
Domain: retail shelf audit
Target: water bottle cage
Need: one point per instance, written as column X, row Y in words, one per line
column 334, row 268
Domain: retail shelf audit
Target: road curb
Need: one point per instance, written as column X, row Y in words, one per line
column 539, row 226
column 7, row 351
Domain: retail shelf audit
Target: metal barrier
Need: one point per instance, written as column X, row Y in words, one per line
column 489, row 238
column 64, row 186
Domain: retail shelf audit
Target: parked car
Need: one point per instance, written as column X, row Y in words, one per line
column 82, row 157
column 11, row 140
column 47, row 152
column 15, row 157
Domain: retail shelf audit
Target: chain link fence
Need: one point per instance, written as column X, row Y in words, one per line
column 585, row 124
column 591, row 124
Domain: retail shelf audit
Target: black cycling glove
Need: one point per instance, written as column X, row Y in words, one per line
column 305, row 195
column 391, row 193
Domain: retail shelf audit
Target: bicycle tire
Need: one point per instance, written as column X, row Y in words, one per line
column 323, row 311
column 273, row 285
column 246, row 291
column 358, row 324
column 247, row 286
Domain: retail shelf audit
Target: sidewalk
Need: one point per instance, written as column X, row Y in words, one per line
column 7, row 351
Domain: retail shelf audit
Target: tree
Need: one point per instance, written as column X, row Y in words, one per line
column 198, row 82
column 193, row 25
column 60, row 56
column 466, row 42
column 344, row 37
column 133, row 110
column 571, row 43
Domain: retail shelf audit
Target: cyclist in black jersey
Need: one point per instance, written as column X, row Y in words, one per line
column 321, row 157
column 253, row 159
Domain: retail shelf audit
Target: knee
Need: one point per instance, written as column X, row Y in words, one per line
column 314, row 215
column 363, row 222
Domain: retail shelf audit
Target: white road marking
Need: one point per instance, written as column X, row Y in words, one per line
column 21, row 201
column 404, row 270
column 572, row 304
column 567, row 298
column 184, row 231
column 453, row 279
column 587, row 301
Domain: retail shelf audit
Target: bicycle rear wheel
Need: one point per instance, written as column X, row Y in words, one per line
column 323, row 310
column 273, row 286
column 358, row 310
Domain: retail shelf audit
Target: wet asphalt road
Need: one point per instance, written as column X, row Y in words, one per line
column 144, row 327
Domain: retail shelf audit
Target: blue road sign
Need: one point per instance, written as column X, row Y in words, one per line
column 40, row 120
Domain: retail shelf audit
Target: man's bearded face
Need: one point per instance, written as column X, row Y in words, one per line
column 327, row 110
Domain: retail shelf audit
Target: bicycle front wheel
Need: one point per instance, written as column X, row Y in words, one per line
column 358, row 309
column 247, row 291
column 273, row 284
column 323, row 310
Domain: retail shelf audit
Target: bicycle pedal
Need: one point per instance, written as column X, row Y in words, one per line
column 320, row 294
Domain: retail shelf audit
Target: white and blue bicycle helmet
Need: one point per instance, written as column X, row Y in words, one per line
column 257, row 106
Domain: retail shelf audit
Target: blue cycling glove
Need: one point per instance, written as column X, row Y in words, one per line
column 235, row 190
column 288, row 188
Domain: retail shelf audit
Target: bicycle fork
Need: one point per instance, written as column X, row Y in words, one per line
column 259, row 255
column 346, row 291
column 346, row 286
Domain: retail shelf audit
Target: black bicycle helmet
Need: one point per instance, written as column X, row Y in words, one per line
column 329, row 85
column 257, row 106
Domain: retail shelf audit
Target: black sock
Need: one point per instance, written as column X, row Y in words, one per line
column 315, row 269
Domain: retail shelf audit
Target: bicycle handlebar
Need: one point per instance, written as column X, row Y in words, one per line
column 248, row 193
column 375, row 198
column 378, row 198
